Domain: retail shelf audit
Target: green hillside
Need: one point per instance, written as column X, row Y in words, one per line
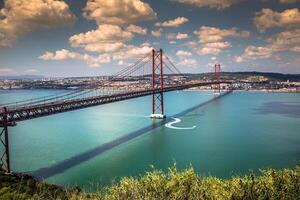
column 272, row 184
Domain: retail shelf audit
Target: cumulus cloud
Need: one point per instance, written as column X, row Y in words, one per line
column 288, row 1
column 132, row 52
column 212, row 39
column 191, row 44
column 188, row 62
column 157, row 33
column 137, row 29
column 31, row 71
column 208, row 34
column 219, row 4
column 127, row 52
column 115, row 28
column 19, row 17
column 267, row 18
column 106, row 38
column 6, row 71
column 182, row 54
column 65, row 54
column 254, row 53
column 118, row 12
column 173, row 23
column 281, row 42
column 213, row 48
column 285, row 41
column 181, row 36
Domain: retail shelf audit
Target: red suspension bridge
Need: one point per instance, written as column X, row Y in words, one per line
column 149, row 75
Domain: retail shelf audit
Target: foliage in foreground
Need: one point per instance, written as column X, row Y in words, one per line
column 272, row 184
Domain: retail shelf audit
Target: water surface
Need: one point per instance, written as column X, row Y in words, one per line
column 241, row 131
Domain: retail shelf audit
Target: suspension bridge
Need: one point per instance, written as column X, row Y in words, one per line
column 149, row 75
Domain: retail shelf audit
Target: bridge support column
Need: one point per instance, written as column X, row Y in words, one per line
column 4, row 152
column 217, row 89
column 157, row 85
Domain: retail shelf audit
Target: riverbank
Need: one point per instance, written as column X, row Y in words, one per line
column 267, row 91
column 186, row 184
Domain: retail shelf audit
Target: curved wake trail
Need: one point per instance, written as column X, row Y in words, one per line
column 177, row 120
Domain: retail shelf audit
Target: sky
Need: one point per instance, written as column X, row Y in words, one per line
column 100, row 37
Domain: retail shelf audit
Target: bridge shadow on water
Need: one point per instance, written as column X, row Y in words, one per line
column 58, row 168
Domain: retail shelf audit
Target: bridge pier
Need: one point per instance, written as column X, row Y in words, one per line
column 157, row 85
column 217, row 90
column 5, row 157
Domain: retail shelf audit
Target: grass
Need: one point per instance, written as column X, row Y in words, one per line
column 187, row 184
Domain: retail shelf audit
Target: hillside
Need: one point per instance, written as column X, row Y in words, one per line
column 272, row 184
column 248, row 75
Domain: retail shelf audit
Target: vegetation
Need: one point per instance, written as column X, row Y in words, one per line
column 271, row 184
column 247, row 75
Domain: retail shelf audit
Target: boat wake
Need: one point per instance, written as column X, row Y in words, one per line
column 177, row 120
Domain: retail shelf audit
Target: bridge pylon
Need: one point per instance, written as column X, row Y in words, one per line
column 157, row 85
column 217, row 89
column 4, row 150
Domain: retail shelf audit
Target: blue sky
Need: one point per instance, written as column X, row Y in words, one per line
column 97, row 37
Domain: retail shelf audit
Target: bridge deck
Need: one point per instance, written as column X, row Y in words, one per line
column 34, row 111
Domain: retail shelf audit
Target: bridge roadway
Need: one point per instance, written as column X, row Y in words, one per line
column 22, row 113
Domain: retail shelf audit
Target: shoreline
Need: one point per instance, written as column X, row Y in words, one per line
column 266, row 91
column 195, row 90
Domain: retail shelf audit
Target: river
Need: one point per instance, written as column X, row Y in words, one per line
column 228, row 136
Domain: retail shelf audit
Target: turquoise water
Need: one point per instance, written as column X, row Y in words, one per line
column 229, row 136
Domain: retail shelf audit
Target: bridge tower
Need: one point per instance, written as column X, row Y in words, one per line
column 217, row 89
column 157, row 85
column 4, row 150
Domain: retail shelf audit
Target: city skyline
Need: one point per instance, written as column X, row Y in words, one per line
column 96, row 37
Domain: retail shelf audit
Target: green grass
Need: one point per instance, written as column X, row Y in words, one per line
column 271, row 184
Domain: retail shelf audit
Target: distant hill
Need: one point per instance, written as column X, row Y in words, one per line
column 271, row 76
column 246, row 75
column 224, row 75
column 22, row 77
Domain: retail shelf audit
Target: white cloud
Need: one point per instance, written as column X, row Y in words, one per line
column 173, row 23
column 191, row 44
column 118, row 12
column 157, row 33
column 6, row 71
column 66, row 54
column 238, row 59
column 288, row 1
column 171, row 36
column 19, row 17
column 31, row 71
column 267, row 18
column 120, row 62
column 182, row 54
column 131, row 52
column 212, row 39
column 104, row 34
column 208, row 34
column 282, row 42
column 219, row 4
column 178, row 36
column 188, row 62
column 285, row 41
column 181, row 36
column 137, row 29
column 254, row 52
column 107, row 38
column 213, row 48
